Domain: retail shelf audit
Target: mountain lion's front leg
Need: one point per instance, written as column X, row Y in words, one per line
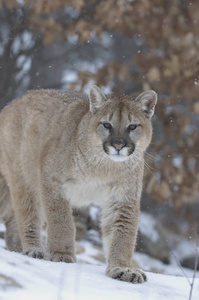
column 61, row 229
column 120, row 225
column 12, row 238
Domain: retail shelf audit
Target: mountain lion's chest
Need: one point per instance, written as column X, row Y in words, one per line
column 85, row 192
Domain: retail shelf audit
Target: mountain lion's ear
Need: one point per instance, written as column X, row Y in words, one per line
column 97, row 98
column 147, row 102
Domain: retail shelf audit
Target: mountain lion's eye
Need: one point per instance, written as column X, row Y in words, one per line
column 132, row 127
column 107, row 125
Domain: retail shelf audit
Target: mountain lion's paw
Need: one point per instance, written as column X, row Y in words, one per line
column 58, row 256
column 34, row 253
column 127, row 274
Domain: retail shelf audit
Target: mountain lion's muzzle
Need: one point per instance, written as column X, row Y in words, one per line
column 118, row 149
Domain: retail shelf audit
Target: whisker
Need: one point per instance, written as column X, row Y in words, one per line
column 138, row 157
column 154, row 169
column 148, row 167
column 93, row 156
column 148, row 154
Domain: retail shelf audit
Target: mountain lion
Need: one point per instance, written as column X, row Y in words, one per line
column 60, row 150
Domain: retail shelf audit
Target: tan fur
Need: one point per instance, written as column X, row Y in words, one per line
column 55, row 153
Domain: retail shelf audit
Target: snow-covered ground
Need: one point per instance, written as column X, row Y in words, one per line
column 24, row 278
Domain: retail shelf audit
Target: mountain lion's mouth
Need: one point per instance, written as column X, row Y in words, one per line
column 118, row 157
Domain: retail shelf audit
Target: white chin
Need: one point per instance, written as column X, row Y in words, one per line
column 117, row 157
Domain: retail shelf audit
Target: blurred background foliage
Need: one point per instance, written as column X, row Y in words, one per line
column 123, row 46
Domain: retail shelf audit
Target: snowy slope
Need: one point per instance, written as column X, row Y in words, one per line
column 22, row 277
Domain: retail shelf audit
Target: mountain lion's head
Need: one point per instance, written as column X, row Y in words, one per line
column 122, row 125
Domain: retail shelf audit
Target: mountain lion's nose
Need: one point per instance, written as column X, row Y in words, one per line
column 119, row 144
